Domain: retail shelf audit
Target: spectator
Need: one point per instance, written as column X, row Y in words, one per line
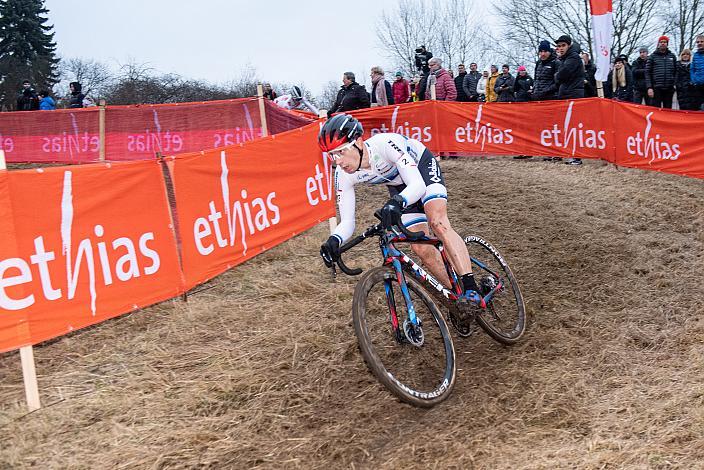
column 589, row 77
column 459, row 80
column 444, row 85
column 423, row 57
column 523, row 85
column 660, row 74
column 569, row 76
column 27, row 99
column 46, row 102
column 504, row 86
column 696, row 71
column 683, row 79
column 481, row 86
column 620, row 82
column 269, row 93
column 491, row 95
column 544, row 87
column 640, row 90
column 401, row 89
column 415, row 88
column 469, row 85
column 381, row 89
column 76, row 98
column 351, row 96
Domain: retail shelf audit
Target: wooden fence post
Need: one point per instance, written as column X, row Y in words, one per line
column 262, row 109
column 433, row 92
column 600, row 88
column 29, row 373
column 101, row 129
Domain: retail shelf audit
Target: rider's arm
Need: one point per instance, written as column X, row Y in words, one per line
column 344, row 185
column 311, row 107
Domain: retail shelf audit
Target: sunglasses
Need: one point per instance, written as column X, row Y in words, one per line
column 335, row 155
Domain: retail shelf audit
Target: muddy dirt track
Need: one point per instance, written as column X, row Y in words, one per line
column 261, row 369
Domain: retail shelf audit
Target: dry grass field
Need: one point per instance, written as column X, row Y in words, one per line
column 260, row 368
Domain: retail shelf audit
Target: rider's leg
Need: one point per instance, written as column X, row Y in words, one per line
column 430, row 256
column 436, row 211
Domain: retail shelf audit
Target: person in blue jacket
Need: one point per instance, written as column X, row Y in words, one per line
column 46, row 102
column 696, row 72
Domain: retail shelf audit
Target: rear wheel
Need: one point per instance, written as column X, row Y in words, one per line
column 418, row 366
column 504, row 319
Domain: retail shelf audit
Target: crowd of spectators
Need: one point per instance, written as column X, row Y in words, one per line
column 29, row 100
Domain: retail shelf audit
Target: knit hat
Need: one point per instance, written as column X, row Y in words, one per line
column 642, row 49
column 544, row 46
column 664, row 38
column 521, row 68
column 399, row 74
column 564, row 38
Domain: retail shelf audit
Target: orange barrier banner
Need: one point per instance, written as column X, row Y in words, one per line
column 137, row 132
column 235, row 203
column 82, row 244
column 622, row 133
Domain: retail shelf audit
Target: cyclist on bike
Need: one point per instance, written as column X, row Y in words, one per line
column 415, row 183
column 295, row 100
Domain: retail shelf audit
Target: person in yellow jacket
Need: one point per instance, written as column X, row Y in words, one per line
column 491, row 95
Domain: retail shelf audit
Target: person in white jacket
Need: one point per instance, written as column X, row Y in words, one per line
column 481, row 86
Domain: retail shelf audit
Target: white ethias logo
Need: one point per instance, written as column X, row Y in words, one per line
column 249, row 215
column 103, row 257
column 156, row 140
column 238, row 135
column 423, row 134
column 649, row 146
column 572, row 137
column 476, row 132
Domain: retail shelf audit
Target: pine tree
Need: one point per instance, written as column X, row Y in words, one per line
column 27, row 50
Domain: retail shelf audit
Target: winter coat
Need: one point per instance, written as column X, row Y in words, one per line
column 504, row 88
column 481, row 86
column 683, row 86
column 350, row 97
column 638, row 69
column 590, row 80
column 459, row 80
column 696, row 70
column 491, row 94
column 47, row 104
column 469, row 84
column 389, row 94
column 27, row 100
column 444, row 86
column 660, row 70
column 570, row 74
column 522, row 87
column 401, row 91
column 544, row 86
column 622, row 93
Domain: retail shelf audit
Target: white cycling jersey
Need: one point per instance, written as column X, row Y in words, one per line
column 287, row 102
column 394, row 161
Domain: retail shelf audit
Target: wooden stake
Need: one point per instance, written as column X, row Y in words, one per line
column 262, row 109
column 101, row 131
column 600, row 88
column 29, row 373
column 433, row 92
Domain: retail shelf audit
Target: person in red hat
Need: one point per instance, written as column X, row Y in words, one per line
column 660, row 71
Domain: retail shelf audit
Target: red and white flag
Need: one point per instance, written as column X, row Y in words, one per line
column 602, row 30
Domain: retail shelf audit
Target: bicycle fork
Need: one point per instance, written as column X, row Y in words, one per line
column 412, row 326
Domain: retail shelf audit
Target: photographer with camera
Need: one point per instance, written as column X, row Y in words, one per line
column 423, row 56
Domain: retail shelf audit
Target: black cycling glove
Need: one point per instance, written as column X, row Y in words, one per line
column 330, row 251
column 391, row 212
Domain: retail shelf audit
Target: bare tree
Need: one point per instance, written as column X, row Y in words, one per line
column 329, row 95
column 94, row 76
column 633, row 21
column 683, row 20
column 458, row 33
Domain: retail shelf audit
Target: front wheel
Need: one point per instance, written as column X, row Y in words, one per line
column 504, row 318
column 418, row 368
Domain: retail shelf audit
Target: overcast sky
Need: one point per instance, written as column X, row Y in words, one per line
column 309, row 41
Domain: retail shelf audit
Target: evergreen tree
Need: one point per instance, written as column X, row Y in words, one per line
column 27, row 50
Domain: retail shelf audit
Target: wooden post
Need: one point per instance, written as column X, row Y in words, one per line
column 262, row 109
column 29, row 373
column 433, row 92
column 600, row 88
column 101, row 129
